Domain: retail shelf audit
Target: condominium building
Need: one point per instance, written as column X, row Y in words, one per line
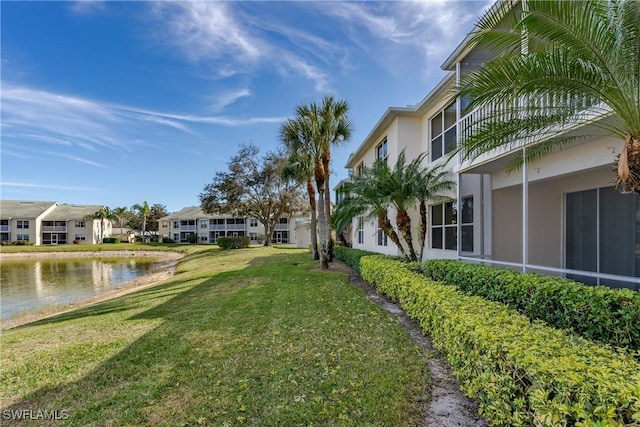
column 50, row 223
column 207, row 228
column 560, row 215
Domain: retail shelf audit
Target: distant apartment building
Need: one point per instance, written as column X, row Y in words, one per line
column 49, row 223
column 207, row 228
column 559, row 216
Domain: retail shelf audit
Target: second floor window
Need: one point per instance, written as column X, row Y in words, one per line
column 359, row 168
column 79, row 224
column 204, row 223
column 443, row 132
column 22, row 224
column 253, row 222
column 381, row 151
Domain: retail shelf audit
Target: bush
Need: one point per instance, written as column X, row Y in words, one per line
column 599, row 313
column 168, row 240
column 110, row 240
column 233, row 242
column 20, row 243
column 192, row 239
column 350, row 256
column 521, row 372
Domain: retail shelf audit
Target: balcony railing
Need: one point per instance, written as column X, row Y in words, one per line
column 5, row 228
column 183, row 227
column 216, row 227
column 236, row 227
column 282, row 227
column 54, row 228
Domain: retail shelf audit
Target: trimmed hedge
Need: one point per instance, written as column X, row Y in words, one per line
column 521, row 372
column 233, row 242
column 350, row 256
column 610, row 316
column 110, row 240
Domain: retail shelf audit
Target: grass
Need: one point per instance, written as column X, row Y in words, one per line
column 254, row 336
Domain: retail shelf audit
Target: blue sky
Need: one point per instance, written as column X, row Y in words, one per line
column 120, row 102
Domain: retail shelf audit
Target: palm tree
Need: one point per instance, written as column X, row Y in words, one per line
column 432, row 184
column 103, row 214
column 121, row 214
column 368, row 199
column 380, row 188
column 579, row 57
column 320, row 127
column 143, row 210
column 300, row 170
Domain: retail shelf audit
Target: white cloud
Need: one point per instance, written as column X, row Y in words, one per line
column 228, row 98
column 46, row 186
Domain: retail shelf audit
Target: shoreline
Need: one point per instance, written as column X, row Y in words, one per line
column 165, row 268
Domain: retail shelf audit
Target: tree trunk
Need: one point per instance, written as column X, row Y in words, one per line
column 385, row 225
column 326, row 160
column 422, row 236
column 403, row 220
column 322, row 221
column 628, row 167
column 268, row 231
column 314, row 220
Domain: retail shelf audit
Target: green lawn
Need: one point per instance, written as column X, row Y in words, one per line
column 255, row 336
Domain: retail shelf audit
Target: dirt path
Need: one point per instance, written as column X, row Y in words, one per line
column 448, row 407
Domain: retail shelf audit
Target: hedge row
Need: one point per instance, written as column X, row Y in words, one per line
column 521, row 372
column 110, row 240
column 233, row 242
column 350, row 256
column 610, row 316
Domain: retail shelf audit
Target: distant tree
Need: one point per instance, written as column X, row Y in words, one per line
column 103, row 214
column 143, row 211
column 253, row 187
column 156, row 212
column 123, row 214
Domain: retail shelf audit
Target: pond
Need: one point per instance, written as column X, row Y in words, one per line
column 32, row 284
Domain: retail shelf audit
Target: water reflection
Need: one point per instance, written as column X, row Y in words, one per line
column 31, row 284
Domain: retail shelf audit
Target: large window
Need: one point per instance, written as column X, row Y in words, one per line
column 360, row 231
column 602, row 233
column 23, row 237
column 82, row 237
column 443, row 132
column 466, row 224
column 381, row 151
column 204, row 224
column 444, row 226
column 22, row 224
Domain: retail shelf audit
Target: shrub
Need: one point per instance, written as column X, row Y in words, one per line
column 110, row 240
column 20, row 243
column 350, row 256
column 168, row 240
column 599, row 313
column 192, row 239
column 521, row 372
column 233, row 242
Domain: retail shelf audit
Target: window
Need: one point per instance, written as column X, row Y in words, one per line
column 80, row 237
column 165, row 225
column 602, row 234
column 79, row 224
column 204, row 224
column 203, row 237
column 466, row 226
column 443, row 132
column 253, row 222
column 360, row 231
column 176, row 224
column 381, row 151
column 283, row 221
column 444, row 228
column 22, row 224
column 24, row 237
column 381, row 237
column 176, row 237
column 235, row 221
column 253, row 236
column 360, row 169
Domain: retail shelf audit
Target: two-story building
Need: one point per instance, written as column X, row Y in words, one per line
column 560, row 215
column 50, row 223
column 207, row 228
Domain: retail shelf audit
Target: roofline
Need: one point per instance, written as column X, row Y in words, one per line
column 393, row 112
column 467, row 43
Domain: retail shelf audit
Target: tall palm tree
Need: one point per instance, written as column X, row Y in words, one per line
column 300, row 170
column 335, row 129
column 103, row 214
column 577, row 54
column 143, row 210
column 320, row 128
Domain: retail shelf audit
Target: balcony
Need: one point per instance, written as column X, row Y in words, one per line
column 5, row 228
column 236, row 227
column 216, row 227
column 54, row 228
column 183, row 227
column 282, row 227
